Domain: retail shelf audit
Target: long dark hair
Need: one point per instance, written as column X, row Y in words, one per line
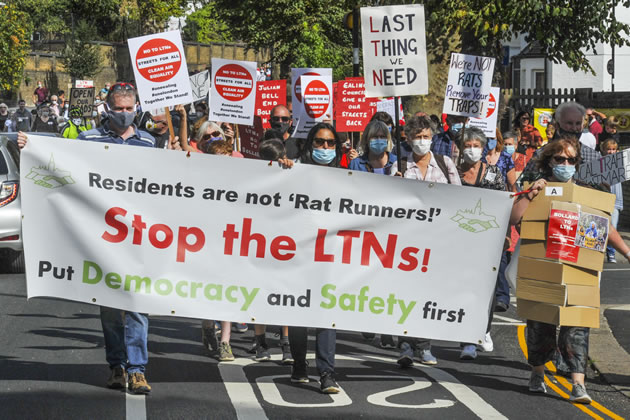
column 306, row 155
column 517, row 121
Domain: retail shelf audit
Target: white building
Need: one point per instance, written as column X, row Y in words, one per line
column 531, row 69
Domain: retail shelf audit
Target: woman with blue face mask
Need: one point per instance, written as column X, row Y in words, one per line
column 558, row 163
column 322, row 147
column 376, row 146
column 494, row 154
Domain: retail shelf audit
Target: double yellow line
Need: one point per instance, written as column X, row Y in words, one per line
column 550, row 366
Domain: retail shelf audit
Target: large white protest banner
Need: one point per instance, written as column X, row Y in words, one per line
column 161, row 232
column 200, row 85
column 468, row 85
column 233, row 91
column 488, row 122
column 301, row 128
column 159, row 66
column 610, row 169
column 394, row 50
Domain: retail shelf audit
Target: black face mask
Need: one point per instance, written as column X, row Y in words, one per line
column 281, row 126
column 564, row 132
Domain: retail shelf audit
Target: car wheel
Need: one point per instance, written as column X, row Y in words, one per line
column 15, row 262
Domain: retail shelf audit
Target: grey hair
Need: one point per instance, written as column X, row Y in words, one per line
column 208, row 125
column 473, row 133
column 373, row 129
column 510, row 135
column 564, row 107
column 416, row 124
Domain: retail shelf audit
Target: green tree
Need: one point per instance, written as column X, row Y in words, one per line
column 80, row 58
column 205, row 25
column 14, row 34
column 300, row 32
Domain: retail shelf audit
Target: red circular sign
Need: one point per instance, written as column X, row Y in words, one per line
column 233, row 82
column 158, row 60
column 492, row 105
column 297, row 89
column 316, row 98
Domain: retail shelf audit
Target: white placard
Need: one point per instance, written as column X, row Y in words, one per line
column 610, row 169
column 200, row 85
column 488, row 124
column 159, row 66
column 265, row 243
column 317, row 100
column 83, row 83
column 301, row 128
column 394, row 50
column 468, row 86
column 233, row 91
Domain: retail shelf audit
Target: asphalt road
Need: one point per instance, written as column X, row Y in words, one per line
column 52, row 366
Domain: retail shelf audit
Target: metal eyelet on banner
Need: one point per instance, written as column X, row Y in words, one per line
column 253, row 319
column 188, row 154
column 405, row 332
column 350, row 173
column 494, row 269
column 431, row 185
column 334, row 325
column 172, row 312
column 93, row 299
column 106, row 147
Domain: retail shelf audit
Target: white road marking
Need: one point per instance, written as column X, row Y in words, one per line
column 616, row 269
column 465, row 395
column 619, row 308
column 271, row 394
column 505, row 318
column 380, row 398
column 240, row 391
column 513, row 324
column 135, row 406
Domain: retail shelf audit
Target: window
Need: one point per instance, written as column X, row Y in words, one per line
column 539, row 80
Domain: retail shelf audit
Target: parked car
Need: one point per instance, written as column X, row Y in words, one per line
column 11, row 248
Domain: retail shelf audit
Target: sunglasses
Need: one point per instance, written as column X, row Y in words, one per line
column 317, row 142
column 122, row 86
column 561, row 159
column 283, row 119
column 207, row 137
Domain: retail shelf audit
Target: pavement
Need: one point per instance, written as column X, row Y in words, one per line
column 610, row 344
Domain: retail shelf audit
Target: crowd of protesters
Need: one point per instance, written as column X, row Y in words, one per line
column 434, row 150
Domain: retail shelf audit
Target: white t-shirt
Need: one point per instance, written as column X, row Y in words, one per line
column 588, row 139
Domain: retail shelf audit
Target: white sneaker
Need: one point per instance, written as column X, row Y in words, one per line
column 487, row 345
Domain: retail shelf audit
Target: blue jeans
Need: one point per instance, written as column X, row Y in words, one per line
column 126, row 335
column 325, row 343
column 610, row 251
column 503, row 288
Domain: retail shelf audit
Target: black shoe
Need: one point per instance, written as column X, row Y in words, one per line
column 327, row 384
column 501, row 307
column 368, row 336
column 387, row 342
column 299, row 374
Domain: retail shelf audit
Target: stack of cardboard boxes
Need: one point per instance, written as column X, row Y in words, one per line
column 558, row 281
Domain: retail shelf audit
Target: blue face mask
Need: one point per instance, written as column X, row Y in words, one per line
column 323, row 156
column 563, row 172
column 456, row 128
column 510, row 149
column 378, row 146
column 492, row 143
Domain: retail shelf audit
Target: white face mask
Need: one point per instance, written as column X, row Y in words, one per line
column 421, row 147
column 472, row 154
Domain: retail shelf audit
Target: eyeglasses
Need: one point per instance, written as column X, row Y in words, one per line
column 317, row 142
column 277, row 119
column 561, row 159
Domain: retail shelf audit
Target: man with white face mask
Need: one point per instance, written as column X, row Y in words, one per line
column 423, row 165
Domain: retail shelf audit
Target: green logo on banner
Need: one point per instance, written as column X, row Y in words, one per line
column 475, row 220
column 49, row 176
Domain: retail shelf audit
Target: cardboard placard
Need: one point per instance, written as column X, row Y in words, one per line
column 84, row 99
column 268, row 95
column 233, row 91
column 200, row 85
column 556, row 272
column 610, row 169
column 250, row 138
column 394, row 50
column 159, row 66
column 570, row 316
column 468, row 86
